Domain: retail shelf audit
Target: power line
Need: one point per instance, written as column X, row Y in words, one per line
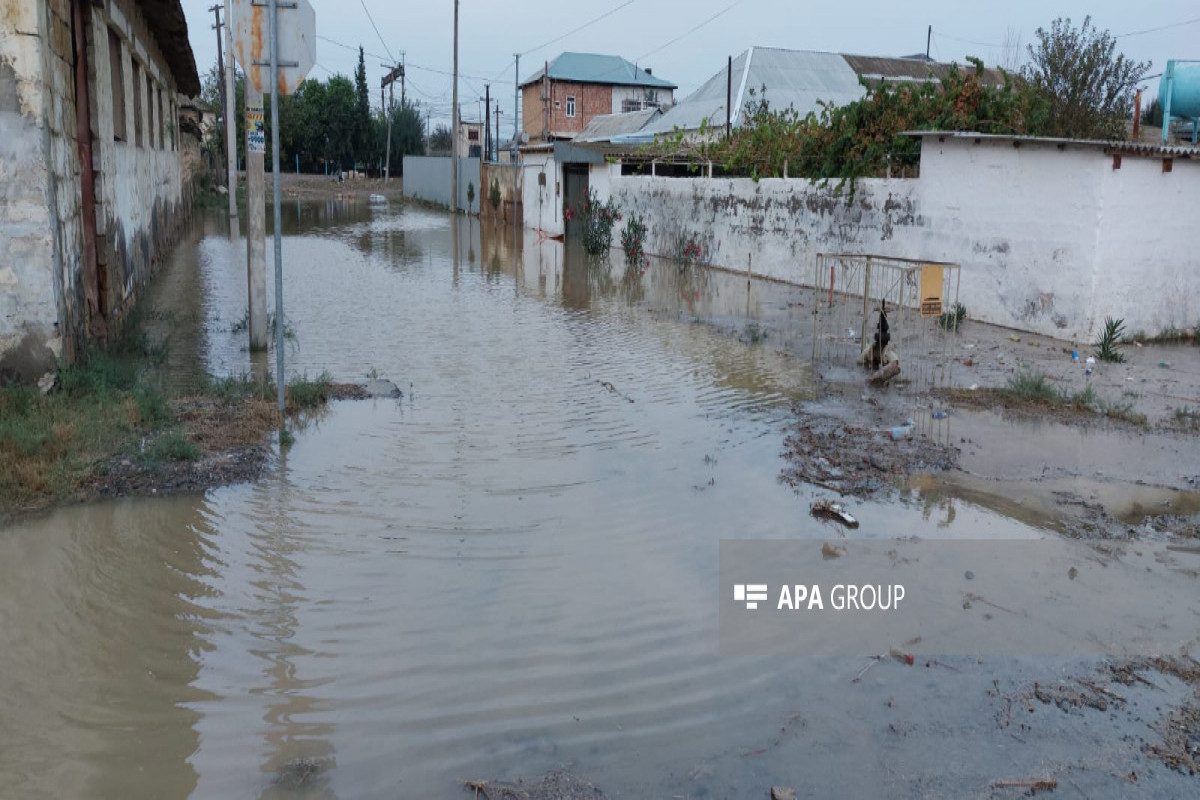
column 690, row 31
column 606, row 14
column 937, row 35
column 1159, row 28
column 348, row 47
column 391, row 58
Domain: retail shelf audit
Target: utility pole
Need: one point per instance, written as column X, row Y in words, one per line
column 221, row 71
column 388, row 82
column 496, row 138
column 231, row 127
column 928, row 40
column 403, row 96
column 547, row 88
column 728, row 98
column 487, row 124
column 454, row 124
column 280, row 377
column 515, row 143
column 256, row 214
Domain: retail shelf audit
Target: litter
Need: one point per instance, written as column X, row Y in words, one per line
column 939, row 414
column 378, row 198
column 904, row 431
column 829, row 551
column 834, row 511
column 1074, row 355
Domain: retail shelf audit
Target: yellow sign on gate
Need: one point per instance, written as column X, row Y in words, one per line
column 932, row 286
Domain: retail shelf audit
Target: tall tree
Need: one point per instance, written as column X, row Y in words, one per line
column 407, row 134
column 362, row 120
column 1089, row 85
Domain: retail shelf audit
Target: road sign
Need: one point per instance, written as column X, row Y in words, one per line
column 297, row 42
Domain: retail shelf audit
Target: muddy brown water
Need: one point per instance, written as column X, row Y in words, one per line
column 509, row 570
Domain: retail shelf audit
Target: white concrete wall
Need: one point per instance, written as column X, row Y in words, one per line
column 1050, row 240
column 428, row 178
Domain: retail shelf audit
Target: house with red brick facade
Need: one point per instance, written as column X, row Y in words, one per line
column 560, row 99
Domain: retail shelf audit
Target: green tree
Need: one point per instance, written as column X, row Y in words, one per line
column 407, row 134
column 1089, row 85
column 362, row 119
column 210, row 95
column 440, row 141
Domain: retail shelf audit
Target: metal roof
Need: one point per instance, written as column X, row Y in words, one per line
column 606, row 126
column 594, row 68
column 797, row 78
column 1127, row 148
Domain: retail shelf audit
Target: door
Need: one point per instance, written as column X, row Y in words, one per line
column 575, row 190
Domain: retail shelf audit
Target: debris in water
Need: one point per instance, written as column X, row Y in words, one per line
column 829, row 551
column 556, row 785
column 835, row 511
column 613, row 390
column 1034, row 786
column 904, row 431
column 783, row 793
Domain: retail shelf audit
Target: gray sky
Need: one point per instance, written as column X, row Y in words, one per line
column 643, row 30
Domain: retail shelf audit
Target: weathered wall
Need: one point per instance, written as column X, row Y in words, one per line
column 1050, row 240
column 502, row 174
column 45, row 315
column 31, row 173
column 428, row 178
column 140, row 201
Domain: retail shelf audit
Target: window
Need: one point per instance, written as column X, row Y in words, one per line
column 570, row 105
column 472, row 136
column 116, row 70
column 139, row 86
column 149, row 111
column 162, row 125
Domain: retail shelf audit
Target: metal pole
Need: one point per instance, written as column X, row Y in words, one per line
column 487, row 125
column 387, row 164
column 728, row 96
column 515, row 145
column 928, row 39
column 454, row 124
column 280, row 378
column 231, row 127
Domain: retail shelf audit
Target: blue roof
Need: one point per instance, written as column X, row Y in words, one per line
column 593, row 68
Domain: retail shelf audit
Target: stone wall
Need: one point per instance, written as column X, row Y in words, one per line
column 51, row 302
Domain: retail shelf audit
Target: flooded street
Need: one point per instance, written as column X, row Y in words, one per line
column 510, row 569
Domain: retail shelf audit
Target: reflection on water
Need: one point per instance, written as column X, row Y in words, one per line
column 504, row 571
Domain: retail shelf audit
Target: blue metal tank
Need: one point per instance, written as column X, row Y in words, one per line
column 1179, row 93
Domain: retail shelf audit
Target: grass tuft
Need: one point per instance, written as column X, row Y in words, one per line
column 1032, row 386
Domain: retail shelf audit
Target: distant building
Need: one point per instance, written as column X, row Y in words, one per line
column 92, row 185
column 470, row 139
column 802, row 79
column 559, row 102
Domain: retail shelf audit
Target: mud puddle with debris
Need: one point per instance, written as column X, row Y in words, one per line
column 508, row 573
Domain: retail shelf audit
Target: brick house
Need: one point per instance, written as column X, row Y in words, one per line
column 561, row 98
column 92, row 191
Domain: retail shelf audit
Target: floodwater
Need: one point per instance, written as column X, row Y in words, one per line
column 510, row 569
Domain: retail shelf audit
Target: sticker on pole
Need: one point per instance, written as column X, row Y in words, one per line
column 256, row 131
column 297, row 42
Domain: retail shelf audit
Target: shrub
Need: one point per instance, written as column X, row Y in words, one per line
column 633, row 238
column 1108, row 346
column 598, row 219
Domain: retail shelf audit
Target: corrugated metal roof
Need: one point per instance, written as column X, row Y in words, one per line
column 909, row 69
column 594, row 68
column 796, row 78
column 1127, row 148
column 606, row 126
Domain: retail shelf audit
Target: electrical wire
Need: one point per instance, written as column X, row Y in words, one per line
column 589, row 23
column 377, row 33
column 937, row 35
column 1159, row 28
column 690, row 31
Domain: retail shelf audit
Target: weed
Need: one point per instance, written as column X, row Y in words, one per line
column 1108, row 346
column 169, row 445
column 952, row 320
column 1084, row 400
column 1032, row 386
column 753, row 333
column 152, row 405
column 1125, row 413
column 633, row 238
column 305, row 394
column 286, row 438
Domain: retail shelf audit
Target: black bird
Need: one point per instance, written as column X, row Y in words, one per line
column 882, row 336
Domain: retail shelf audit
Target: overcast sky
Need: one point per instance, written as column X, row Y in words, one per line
column 685, row 42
